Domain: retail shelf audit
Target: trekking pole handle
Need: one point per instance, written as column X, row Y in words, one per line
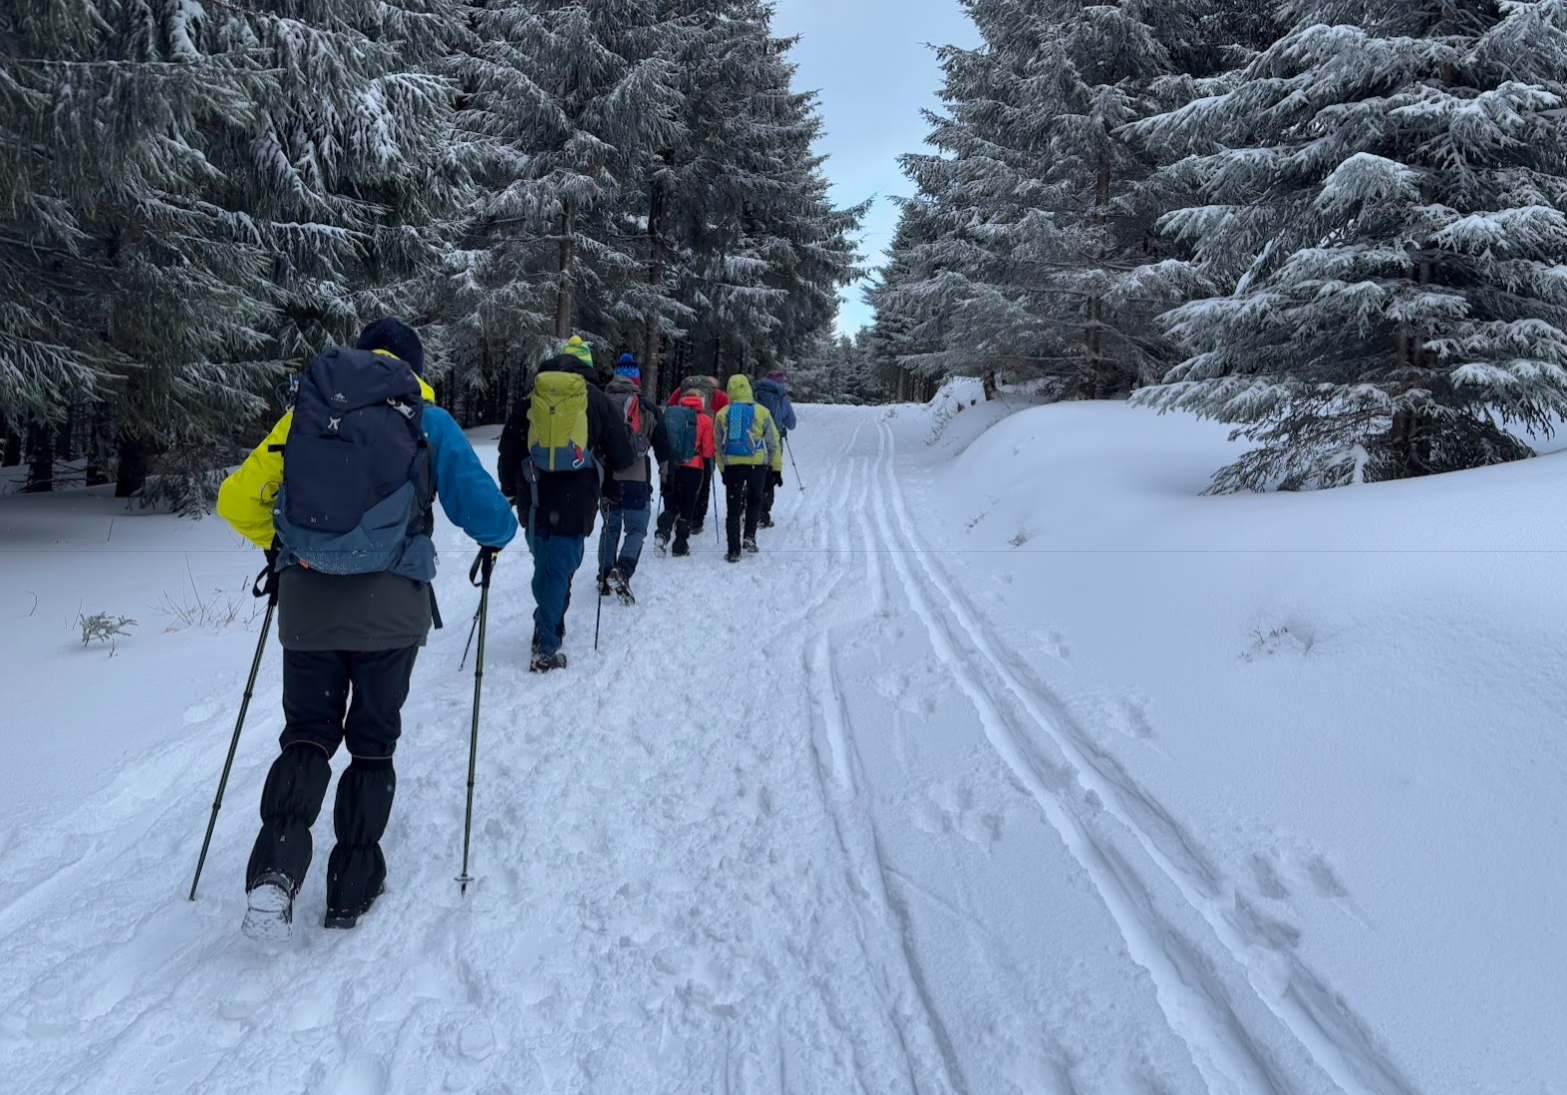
column 483, row 564
column 265, row 587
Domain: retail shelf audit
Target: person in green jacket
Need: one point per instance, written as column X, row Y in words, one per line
column 748, row 453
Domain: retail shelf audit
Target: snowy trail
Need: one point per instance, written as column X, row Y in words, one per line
column 801, row 825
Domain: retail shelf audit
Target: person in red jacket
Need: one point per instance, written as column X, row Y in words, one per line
column 683, row 484
column 714, row 399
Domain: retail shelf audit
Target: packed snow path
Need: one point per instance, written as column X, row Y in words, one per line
column 804, row 824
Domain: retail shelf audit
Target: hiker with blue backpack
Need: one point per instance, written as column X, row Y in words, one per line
column 341, row 498
column 628, row 495
column 564, row 437
column 690, row 433
column 772, row 392
column 748, row 452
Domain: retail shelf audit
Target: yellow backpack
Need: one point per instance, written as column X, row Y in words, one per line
column 558, row 423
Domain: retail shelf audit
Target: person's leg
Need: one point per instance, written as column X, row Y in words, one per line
column 609, row 540
column 734, row 504
column 767, row 499
column 356, row 871
column 755, row 479
column 315, row 697
column 685, row 484
column 704, row 496
column 556, row 559
column 635, row 524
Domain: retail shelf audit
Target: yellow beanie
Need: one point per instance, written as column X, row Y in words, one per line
column 578, row 349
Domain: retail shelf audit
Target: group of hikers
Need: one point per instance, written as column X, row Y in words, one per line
column 340, row 496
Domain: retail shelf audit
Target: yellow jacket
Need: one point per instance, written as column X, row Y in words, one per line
column 764, row 434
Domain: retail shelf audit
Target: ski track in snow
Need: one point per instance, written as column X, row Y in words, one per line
column 687, row 879
column 1195, row 1002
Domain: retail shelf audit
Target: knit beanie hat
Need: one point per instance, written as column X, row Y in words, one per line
column 628, row 368
column 578, row 349
column 396, row 338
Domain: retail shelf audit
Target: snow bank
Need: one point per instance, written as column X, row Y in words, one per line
column 1351, row 701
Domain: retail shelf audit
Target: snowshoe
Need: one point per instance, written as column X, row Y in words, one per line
column 269, row 915
column 544, row 663
column 750, row 545
column 622, row 587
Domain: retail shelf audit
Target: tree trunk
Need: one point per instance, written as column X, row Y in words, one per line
column 10, row 445
column 40, row 459
column 989, row 383
column 563, row 292
column 652, row 343
column 98, row 446
column 134, row 457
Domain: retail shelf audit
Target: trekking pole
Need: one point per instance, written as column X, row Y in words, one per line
column 790, row 451
column 718, row 522
column 269, row 591
column 469, row 644
column 598, row 617
column 484, row 564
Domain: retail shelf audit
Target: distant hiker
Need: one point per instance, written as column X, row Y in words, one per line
column 748, row 448
column 340, row 495
column 773, row 393
column 628, row 495
column 690, row 432
column 561, row 437
column 713, row 401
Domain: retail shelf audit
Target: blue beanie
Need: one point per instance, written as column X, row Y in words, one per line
column 396, row 338
column 627, row 367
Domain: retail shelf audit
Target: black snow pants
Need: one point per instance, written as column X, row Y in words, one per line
column 319, row 715
column 685, row 487
column 743, row 487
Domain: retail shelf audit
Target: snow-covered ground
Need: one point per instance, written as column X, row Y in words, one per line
column 1012, row 765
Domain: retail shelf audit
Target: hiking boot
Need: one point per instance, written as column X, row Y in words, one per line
column 622, row 587
column 661, row 543
column 544, row 663
column 732, row 557
column 340, row 920
column 696, row 530
column 269, row 913
column 681, row 549
column 766, row 522
column 605, row 589
column 750, row 545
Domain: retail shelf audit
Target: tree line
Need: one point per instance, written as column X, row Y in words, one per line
column 1336, row 224
column 196, row 197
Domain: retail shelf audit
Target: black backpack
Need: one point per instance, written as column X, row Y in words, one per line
column 357, row 492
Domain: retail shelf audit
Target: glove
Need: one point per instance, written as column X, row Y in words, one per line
column 483, row 565
column 266, row 582
column 613, row 492
column 777, row 478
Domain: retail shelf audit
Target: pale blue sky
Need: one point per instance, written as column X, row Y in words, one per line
column 868, row 60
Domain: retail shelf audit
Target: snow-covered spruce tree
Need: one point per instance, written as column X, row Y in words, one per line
column 570, row 104
column 1040, row 214
column 1386, row 194
column 765, row 250
column 347, row 169
column 124, row 283
column 905, row 340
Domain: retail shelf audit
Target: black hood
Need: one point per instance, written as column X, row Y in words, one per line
column 565, row 363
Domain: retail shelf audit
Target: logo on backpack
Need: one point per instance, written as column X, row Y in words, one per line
column 356, row 490
column 740, row 439
column 558, row 423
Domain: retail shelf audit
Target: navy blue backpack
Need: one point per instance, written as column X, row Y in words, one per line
column 357, row 491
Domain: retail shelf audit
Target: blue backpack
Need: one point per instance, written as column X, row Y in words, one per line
column 738, row 440
column 356, row 493
column 680, row 425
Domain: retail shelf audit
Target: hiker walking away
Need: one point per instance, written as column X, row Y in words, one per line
column 560, row 439
column 628, row 495
column 340, row 496
column 713, row 401
column 690, row 432
column 748, row 448
column 772, row 392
